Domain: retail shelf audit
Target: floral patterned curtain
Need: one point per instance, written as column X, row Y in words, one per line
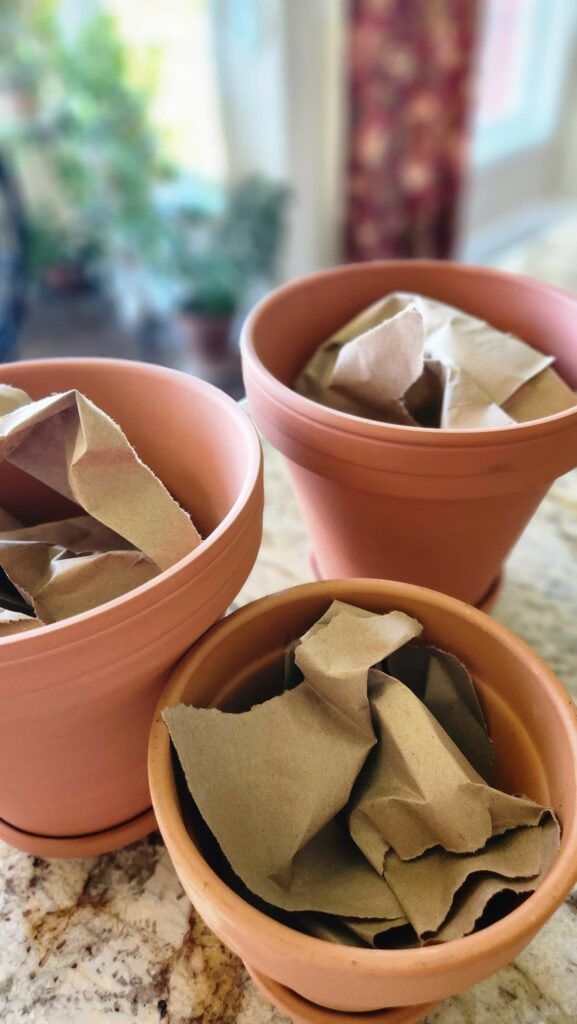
column 410, row 67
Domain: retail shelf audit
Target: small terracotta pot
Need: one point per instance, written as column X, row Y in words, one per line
column 77, row 697
column 206, row 337
column 438, row 508
column 533, row 724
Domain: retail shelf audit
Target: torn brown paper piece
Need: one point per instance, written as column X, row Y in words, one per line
column 484, row 369
column 479, row 889
column 8, row 522
column 418, row 791
column 134, row 528
column 11, row 398
column 288, row 771
column 76, row 449
column 80, row 534
column 376, row 370
column 12, row 622
column 440, row 681
column 272, row 784
column 419, row 807
column 512, row 861
column 548, row 391
column 39, row 561
column 58, row 585
column 465, row 405
column 445, row 687
column 454, row 891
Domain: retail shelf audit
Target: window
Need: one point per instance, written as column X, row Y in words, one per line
column 523, row 62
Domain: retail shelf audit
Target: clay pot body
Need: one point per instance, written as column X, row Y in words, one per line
column 530, row 718
column 77, row 697
column 438, row 508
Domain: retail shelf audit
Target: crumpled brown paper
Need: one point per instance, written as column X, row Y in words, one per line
column 443, row 684
column 346, row 800
column 412, row 360
column 132, row 530
column 304, row 858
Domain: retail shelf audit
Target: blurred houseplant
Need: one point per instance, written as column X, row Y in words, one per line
column 90, row 156
column 101, row 174
column 25, row 36
column 222, row 258
column 61, row 257
column 108, row 162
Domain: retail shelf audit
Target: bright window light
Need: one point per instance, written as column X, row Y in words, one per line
column 524, row 55
column 170, row 49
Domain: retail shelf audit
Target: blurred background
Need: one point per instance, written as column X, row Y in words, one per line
column 163, row 165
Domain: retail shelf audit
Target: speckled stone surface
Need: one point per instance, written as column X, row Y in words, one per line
column 114, row 938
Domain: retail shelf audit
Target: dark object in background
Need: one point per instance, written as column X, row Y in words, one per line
column 13, row 263
column 206, row 336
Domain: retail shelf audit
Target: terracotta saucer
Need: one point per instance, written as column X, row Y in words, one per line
column 302, row 1012
column 485, row 604
column 70, row 847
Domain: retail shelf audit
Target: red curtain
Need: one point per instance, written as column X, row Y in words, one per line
column 410, row 71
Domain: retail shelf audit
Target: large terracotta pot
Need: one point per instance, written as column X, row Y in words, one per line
column 534, row 727
column 77, row 697
column 438, row 508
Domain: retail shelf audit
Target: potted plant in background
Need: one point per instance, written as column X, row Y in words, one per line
column 211, row 283
column 157, row 243
column 90, row 159
column 108, row 160
column 25, row 36
column 61, row 257
column 255, row 227
column 223, row 258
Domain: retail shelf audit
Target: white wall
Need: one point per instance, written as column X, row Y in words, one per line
column 281, row 66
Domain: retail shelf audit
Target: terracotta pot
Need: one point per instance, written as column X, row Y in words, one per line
column 531, row 720
column 437, row 508
column 77, row 697
column 302, row 1011
column 206, row 337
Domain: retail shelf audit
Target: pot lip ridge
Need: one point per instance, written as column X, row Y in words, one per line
column 60, row 631
column 242, row 918
column 306, row 409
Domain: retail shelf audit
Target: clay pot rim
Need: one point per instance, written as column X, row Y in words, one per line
column 425, row 961
column 346, row 423
column 246, row 430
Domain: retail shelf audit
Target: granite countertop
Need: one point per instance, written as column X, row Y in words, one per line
column 115, row 937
